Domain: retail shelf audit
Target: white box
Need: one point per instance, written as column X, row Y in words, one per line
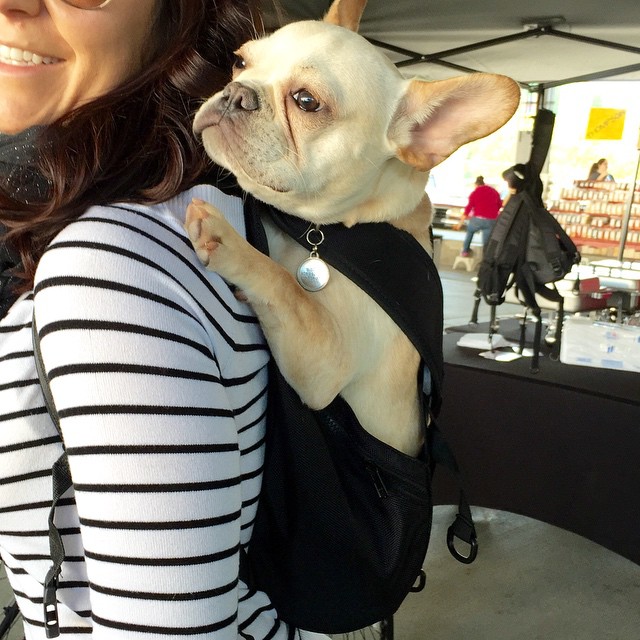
column 600, row 344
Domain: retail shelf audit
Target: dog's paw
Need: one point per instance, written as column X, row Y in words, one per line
column 213, row 238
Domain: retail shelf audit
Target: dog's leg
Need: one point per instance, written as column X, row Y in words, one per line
column 304, row 338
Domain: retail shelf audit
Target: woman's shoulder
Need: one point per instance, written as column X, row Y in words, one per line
column 134, row 242
column 134, row 256
column 127, row 223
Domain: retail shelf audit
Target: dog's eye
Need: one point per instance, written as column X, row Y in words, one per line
column 306, row 101
column 239, row 62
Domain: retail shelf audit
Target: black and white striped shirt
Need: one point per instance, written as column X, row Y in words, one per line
column 159, row 376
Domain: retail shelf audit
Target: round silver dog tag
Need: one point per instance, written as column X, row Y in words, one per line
column 313, row 274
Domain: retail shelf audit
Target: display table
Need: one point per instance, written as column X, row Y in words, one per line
column 561, row 446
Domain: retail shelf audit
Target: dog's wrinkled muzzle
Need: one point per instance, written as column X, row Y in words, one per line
column 234, row 98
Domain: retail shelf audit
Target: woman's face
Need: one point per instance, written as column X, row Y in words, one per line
column 66, row 56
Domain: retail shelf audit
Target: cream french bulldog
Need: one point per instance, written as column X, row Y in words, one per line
column 320, row 124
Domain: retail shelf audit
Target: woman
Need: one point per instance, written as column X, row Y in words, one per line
column 599, row 171
column 158, row 372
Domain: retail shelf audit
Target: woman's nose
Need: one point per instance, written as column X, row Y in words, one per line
column 20, row 7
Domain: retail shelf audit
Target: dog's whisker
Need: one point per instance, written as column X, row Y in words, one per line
column 372, row 163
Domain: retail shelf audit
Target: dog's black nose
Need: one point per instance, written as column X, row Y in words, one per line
column 239, row 96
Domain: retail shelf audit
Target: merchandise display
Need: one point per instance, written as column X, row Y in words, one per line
column 593, row 213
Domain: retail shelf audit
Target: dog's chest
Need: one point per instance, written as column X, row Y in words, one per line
column 363, row 323
column 344, row 299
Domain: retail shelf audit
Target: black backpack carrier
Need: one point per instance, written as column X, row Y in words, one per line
column 527, row 248
column 343, row 520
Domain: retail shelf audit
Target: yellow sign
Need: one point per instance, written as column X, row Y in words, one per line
column 605, row 124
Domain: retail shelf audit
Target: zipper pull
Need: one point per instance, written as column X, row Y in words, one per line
column 378, row 482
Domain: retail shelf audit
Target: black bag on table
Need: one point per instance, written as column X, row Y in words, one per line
column 527, row 248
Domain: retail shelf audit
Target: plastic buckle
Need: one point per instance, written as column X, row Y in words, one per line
column 51, row 622
column 473, row 547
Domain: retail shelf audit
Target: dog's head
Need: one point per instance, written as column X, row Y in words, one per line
column 319, row 123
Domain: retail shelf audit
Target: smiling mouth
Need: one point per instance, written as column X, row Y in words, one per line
column 23, row 58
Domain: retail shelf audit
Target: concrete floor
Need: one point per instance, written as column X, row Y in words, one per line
column 531, row 581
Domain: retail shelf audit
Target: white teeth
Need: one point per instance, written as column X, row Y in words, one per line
column 21, row 57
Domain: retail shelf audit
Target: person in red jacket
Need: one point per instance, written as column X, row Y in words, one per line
column 481, row 212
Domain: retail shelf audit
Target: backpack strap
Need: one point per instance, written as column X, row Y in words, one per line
column 541, row 139
column 61, row 481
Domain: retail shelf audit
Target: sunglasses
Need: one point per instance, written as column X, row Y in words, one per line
column 87, row 4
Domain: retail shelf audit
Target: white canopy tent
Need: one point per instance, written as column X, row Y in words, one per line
column 539, row 43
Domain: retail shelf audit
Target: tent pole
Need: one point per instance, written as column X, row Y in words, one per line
column 627, row 214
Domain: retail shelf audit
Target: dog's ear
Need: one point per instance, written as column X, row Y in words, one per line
column 346, row 13
column 434, row 118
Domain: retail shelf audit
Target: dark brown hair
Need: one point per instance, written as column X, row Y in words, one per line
column 595, row 165
column 134, row 144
